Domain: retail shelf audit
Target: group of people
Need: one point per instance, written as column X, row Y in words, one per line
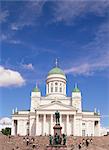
column 29, row 141
column 85, row 142
column 57, row 139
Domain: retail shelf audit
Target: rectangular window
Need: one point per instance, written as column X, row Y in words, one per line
column 83, row 132
column 56, row 89
column 51, row 89
column 83, row 124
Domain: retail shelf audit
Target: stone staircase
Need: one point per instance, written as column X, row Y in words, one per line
column 19, row 143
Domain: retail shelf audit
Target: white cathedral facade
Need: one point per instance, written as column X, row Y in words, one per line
column 40, row 119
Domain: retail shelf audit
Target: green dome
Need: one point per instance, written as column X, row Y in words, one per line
column 76, row 89
column 36, row 89
column 56, row 70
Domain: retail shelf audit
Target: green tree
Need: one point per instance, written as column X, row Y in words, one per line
column 6, row 131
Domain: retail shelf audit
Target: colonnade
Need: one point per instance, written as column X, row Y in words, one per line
column 41, row 124
column 66, row 123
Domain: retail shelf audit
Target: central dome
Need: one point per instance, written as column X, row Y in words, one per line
column 56, row 83
column 56, row 70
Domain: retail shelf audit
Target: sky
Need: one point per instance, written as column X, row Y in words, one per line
column 34, row 33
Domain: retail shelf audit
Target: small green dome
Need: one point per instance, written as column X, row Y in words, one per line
column 76, row 89
column 36, row 89
column 56, row 70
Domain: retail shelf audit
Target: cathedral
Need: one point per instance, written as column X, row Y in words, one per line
column 40, row 119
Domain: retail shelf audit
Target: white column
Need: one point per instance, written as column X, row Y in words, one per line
column 44, row 122
column 47, row 88
column 67, row 125
column 74, row 126
column 51, row 124
column 53, row 87
column 58, row 87
column 30, row 126
column 93, row 128
column 18, row 127
column 37, row 119
column 60, row 119
column 98, row 128
column 87, row 128
column 80, row 127
column 13, row 128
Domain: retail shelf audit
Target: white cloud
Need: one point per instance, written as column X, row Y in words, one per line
column 90, row 67
column 3, row 15
column 8, row 39
column 3, row 37
column 28, row 66
column 14, row 26
column 68, row 11
column 14, row 41
column 97, row 54
column 10, row 77
column 33, row 10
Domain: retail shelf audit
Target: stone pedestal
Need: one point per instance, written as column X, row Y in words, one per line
column 57, row 129
column 58, row 141
column 56, row 147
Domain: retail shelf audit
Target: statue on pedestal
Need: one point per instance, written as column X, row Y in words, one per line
column 57, row 115
column 58, row 141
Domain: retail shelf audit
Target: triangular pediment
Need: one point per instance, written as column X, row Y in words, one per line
column 56, row 106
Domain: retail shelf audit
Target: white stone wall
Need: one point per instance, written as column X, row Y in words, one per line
column 76, row 100
column 42, row 122
column 89, row 120
column 32, row 126
column 22, row 127
column 13, row 128
column 35, row 100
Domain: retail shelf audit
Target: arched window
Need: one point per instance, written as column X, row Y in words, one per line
column 56, row 87
column 51, row 87
column 60, row 88
column 56, row 84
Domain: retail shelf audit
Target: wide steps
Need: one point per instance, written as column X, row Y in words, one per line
column 18, row 143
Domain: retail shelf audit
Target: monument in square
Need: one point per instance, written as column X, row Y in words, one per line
column 57, row 128
column 58, row 140
column 40, row 118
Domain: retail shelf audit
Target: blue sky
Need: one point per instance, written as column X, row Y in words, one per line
column 34, row 33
